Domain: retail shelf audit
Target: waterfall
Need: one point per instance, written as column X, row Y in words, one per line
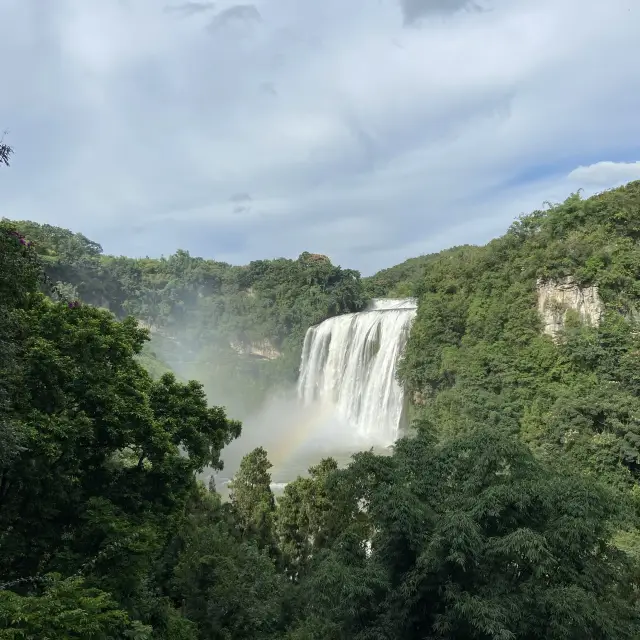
column 349, row 363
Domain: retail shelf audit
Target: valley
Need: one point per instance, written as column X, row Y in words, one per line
column 466, row 423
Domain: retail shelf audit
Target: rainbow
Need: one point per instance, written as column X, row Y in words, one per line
column 301, row 433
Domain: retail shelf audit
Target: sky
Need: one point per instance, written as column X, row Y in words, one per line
column 369, row 130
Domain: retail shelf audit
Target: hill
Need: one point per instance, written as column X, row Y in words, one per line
column 238, row 329
column 511, row 513
column 403, row 280
column 536, row 334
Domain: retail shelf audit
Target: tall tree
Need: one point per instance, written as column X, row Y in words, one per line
column 312, row 513
column 480, row 540
column 251, row 496
column 104, row 459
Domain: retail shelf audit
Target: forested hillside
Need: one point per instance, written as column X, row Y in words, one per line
column 238, row 329
column 478, row 354
column 404, row 279
column 512, row 513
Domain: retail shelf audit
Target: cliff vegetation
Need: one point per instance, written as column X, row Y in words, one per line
column 238, row 329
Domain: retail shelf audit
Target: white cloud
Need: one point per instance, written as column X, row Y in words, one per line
column 606, row 174
column 353, row 135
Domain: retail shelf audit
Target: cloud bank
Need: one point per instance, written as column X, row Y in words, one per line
column 368, row 131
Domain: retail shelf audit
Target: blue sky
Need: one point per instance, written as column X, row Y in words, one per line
column 369, row 130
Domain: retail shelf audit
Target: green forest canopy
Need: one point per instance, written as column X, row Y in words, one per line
column 512, row 512
column 207, row 317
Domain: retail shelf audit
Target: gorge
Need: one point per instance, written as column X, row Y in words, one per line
column 523, row 463
column 347, row 395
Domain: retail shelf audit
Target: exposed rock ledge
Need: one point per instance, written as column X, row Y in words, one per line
column 262, row 349
column 147, row 325
column 557, row 297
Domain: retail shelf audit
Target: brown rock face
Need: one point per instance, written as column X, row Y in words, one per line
column 313, row 257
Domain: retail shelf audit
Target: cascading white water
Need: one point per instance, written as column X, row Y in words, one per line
column 349, row 363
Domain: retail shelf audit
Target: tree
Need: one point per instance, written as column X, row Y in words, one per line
column 5, row 152
column 226, row 585
column 311, row 516
column 67, row 609
column 480, row 540
column 251, row 496
column 105, row 461
column 470, row 538
column 20, row 275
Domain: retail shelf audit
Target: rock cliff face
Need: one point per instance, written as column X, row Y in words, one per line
column 146, row 325
column 263, row 349
column 557, row 297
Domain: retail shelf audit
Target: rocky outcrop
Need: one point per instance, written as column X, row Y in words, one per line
column 318, row 257
column 309, row 258
column 419, row 398
column 263, row 349
column 146, row 325
column 557, row 297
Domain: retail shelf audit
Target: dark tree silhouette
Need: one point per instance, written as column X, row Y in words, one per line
column 5, row 152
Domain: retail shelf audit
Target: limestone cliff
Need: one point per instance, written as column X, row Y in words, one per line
column 262, row 349
column 147, row 325
column 557, row 297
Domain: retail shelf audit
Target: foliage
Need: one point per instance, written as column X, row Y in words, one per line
column 310, row 517
column 208, row 319
column 511, row 513
column 403, row 280
column 251, row 496
column 473, row 538
column 67, row 609
column 151, row 363
column 477, row 354
column 520, row 550
column 5, row 152
column 102, row 463
column 230, row 588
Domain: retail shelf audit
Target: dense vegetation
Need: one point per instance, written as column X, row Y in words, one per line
column 239, row 330
column 402, row 280
column 510, row 514
column 477, row 353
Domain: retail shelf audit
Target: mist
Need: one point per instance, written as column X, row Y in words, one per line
column 296, row 431
column 272, row 417
column 294, row 436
